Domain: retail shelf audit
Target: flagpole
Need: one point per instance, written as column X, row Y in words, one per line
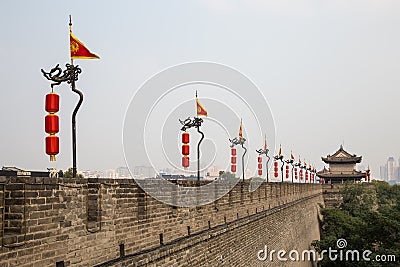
column 198, row 146
column 78, row 105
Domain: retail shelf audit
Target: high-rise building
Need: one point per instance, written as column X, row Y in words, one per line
column 383, row 172
column 391, row 164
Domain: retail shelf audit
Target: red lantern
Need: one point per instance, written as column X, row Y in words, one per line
column 233, row 151
column 52, row 146
column 185, row 161
column 259, row 159
column 260, row 172
column 185, row 149
column 233, row 168
column 306, row 175
column 233, row 160
column 52, row 102
column 295, row 173
column 301, row 174
column 51, row 124
column 260, row 165
column 185, row 137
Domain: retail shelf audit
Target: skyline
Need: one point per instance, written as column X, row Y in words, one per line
column 329, row 71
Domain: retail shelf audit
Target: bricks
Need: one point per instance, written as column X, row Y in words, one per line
column 226, row 232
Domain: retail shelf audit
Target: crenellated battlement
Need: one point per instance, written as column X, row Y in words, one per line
column 86, row 222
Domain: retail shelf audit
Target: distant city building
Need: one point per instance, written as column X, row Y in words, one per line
column 383, row 172
column 342, row 167
column 144, row 172
column 390, row 172
column 123, row 172
column 391, row 169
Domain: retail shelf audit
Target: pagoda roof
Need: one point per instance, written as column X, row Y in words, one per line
column 342, row 156
column 326, row 173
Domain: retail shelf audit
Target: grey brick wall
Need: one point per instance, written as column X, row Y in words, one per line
column 87, row 222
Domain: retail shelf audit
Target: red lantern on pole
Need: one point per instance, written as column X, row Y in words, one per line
column 233, row 160
column 185, row 137
column 51, row 125
column 233, row 168
column 185, row 161
column 295, row 173
column 301, row 174
column 306, row 175
column 52, row 102
column 185, row 149
column 52, row 146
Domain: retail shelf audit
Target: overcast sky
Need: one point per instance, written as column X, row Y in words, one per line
column 329, row 70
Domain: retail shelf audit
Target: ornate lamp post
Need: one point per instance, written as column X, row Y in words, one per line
column 239, row 141
column 264, row 151
column 309, row 169
column 303, row 167
column 290, row 161
column 298, row 165
column 69, row 75
column 280, row 157
column 187, row 124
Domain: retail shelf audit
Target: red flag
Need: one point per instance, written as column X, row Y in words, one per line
column 78, row 49
column 265, row 143
column 201, row 111
column 291, row 155
column 280, row 151
column 241, row 130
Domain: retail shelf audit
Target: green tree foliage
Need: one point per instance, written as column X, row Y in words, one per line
column 68, row 174
column 368, row 218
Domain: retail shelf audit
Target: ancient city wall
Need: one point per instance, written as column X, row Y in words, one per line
column 87, row 222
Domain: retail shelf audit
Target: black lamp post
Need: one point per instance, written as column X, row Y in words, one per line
column 264, row 151
column 187, row 124
column 303, row 167
column 290, row 161
column 240, row 141
column 69, row 75
column 280, row 157
column 298, row 164
column 309, row 170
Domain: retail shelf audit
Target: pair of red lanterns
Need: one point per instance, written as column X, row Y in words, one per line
column 52, row 125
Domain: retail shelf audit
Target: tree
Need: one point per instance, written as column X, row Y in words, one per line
column 368, row 218
column 68, row 174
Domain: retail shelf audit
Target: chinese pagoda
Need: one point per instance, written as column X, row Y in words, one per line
column 342, row 167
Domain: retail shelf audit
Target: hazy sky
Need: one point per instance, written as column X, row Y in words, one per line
column 329, row 70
